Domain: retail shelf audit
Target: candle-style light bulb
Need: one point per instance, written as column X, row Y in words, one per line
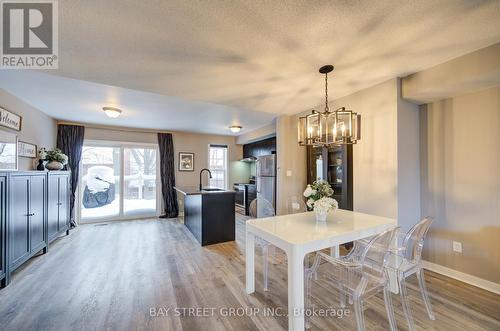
column 343, row 130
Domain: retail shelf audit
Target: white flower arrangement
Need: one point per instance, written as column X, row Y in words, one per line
column 319, row 189
column 325, row 204
column 309, row 191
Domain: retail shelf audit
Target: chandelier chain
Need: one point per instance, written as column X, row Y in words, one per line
column 326, row 93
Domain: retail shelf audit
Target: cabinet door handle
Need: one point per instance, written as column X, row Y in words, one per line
column 59, row 203
column 32, row 214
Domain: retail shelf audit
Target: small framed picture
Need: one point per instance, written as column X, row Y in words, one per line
column 186, row 161
column 8, row 151
column 25, row 149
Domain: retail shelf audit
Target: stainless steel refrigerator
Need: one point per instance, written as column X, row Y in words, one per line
column 266, row 181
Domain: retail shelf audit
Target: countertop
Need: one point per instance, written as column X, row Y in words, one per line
column 194, row 190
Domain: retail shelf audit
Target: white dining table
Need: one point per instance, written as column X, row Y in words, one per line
column 300, row 234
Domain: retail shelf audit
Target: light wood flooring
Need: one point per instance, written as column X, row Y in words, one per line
column 111, row 276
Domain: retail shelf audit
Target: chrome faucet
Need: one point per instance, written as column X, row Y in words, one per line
column 209, row 174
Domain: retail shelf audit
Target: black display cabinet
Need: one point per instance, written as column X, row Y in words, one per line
column 333, row 164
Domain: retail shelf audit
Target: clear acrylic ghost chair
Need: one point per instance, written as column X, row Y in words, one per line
column 406, row 259
column 260, row 208
column 295, row 205
column 359, row 279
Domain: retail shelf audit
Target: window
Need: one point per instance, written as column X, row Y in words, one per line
column 217, row 163
column 118, row 181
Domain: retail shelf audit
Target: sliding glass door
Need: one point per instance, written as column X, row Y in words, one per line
column 139, row 185
column 100, row 184
column 118, row 181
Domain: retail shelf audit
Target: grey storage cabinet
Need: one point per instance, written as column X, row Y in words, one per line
column 27, row 218
column 58, row 204
column 4, row 274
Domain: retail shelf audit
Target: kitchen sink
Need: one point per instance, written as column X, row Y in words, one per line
column 210, row 189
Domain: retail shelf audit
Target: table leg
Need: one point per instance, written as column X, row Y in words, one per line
column 250, row 262
column 295, row 290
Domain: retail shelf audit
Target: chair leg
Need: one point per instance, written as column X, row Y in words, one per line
column 272, row 253
column 404, row 302
column 342, row 298
column 308, row 297
column 358, row 310
column 425, row 295
column 265, row 264
column 388, row 308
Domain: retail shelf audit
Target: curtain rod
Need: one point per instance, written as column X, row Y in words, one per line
column 114, row 128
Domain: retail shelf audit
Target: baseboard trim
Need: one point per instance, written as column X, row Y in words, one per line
column 463, row 277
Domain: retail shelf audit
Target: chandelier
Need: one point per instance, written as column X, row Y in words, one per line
column 338, row 127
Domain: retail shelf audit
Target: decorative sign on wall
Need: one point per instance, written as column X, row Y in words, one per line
column 10, row 120
column 25, row 149
column 8, row 151
column 186, row 161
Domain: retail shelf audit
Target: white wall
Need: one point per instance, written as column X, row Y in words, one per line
column 408, row 163
column 472, row 72
column 461, row 182
column 290, row 157
column 375, row 156
column 183, row 142
column 37, row 127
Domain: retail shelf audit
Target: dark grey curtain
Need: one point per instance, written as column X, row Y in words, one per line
column 167, row 172
column 70, row 142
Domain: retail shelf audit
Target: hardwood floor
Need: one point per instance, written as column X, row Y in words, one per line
column 113, row 276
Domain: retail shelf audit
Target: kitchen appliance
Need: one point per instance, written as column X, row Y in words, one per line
column 240, row 196
column 245, row 194
column 266, row 179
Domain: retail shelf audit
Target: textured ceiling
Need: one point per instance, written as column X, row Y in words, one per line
column 263, row 56
column 81, row 101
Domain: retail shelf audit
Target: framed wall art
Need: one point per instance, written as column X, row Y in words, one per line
column 25, row 149
column 10, row 120
column 8, row 151
column 186, row 161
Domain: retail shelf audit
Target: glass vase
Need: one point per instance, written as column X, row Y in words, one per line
column 321, row 216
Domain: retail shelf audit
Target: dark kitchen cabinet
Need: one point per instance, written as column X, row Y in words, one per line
column 37, row 213
column 260, row 148
column 333, row 164
column 34, row 208
column 27, row 221
column 58, row 204
column 4, row 279
column 19, row 220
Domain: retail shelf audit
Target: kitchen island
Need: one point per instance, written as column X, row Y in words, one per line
column 209, row 214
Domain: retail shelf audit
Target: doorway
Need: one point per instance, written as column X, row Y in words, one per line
column 118, row 181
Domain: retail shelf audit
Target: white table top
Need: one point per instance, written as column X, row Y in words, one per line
column 297, row 229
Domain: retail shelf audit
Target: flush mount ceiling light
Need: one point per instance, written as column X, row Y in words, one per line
column 112, row 111
column 235, row 128
column 338, row 127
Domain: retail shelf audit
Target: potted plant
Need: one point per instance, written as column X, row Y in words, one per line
column 56, row 160
column 319, row 199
